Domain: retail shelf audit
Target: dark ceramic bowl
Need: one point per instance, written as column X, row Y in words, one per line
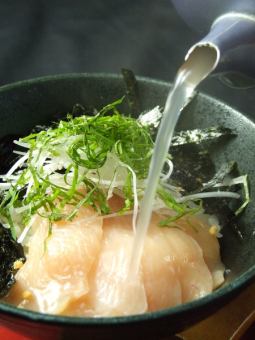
column 27, row 103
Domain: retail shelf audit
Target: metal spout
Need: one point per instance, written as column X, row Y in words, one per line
column 232, row 36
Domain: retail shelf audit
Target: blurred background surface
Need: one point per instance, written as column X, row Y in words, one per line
column 43, row 37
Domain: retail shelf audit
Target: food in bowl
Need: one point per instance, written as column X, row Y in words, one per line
column 71, row 201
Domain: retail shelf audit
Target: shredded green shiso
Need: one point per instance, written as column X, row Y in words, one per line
column 82, row 161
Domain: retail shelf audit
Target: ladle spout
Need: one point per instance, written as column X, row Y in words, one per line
column 232, row 36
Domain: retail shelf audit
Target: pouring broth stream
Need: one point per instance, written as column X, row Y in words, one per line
column 199, row 64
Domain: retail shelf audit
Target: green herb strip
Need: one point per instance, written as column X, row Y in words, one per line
column 86, row 142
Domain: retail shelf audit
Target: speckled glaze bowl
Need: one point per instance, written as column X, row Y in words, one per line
column 28, row 103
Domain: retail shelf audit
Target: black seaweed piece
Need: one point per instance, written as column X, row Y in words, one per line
column 224, row 170
column 192, row 167
column 39, row 128
column 198, row 136
column 224, row 209
column 7, row 157
column 77, row 111
column 10, row 251
column 131, row 91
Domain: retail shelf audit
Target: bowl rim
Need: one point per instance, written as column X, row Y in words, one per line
column 231, row 288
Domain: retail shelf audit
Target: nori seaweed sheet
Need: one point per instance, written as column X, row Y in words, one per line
column 77, row 110
column 10, row 251
column 192, row 167
column 131, row 91
column 7, row 156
